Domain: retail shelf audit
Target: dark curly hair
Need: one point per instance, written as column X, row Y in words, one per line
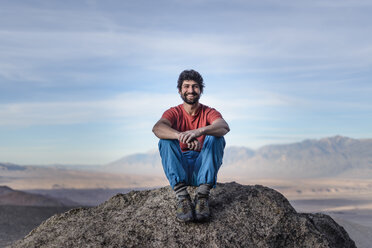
column 190, row 75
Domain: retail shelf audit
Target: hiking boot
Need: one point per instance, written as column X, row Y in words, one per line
column 184, row 209
column 202, row 212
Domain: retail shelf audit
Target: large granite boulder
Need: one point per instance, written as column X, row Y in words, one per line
column 242, row 216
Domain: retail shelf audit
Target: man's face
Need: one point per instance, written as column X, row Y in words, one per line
column 190, row 91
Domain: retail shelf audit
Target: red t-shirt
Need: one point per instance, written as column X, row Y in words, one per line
column 183, row 121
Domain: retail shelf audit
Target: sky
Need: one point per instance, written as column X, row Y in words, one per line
column 83, row 82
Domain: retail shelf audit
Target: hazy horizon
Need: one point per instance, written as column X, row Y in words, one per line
column 155, row 150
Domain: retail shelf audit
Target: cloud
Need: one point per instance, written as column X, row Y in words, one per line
column 253, row 105
column 137, row 107
column 266, row 64
column 127, row 105
column 144, row 107
column 265, row 41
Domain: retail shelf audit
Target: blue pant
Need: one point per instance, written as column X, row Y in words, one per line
column 191, row 167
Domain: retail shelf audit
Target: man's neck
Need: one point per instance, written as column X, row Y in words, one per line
column 191, row 109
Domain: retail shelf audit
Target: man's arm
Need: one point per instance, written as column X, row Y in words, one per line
column 163, row 130
column 218, row 128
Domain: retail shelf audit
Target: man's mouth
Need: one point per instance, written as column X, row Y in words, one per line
column 190, row 98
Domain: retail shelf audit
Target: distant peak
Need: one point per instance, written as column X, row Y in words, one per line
column 10, row 166
column 5, row 190
column 336, row 139
column 3, row 187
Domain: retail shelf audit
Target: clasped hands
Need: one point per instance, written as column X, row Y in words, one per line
column 190, row 138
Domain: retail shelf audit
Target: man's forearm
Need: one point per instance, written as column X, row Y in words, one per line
column 218, row 129
column 163, row 131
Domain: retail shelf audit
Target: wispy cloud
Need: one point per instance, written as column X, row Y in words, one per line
column 91, row 34
column 127, row 105
column 137, row 106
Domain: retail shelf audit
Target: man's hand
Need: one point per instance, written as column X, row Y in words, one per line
column 189, row 136
column 194, row 145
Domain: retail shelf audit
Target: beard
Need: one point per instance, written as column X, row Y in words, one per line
column 193, row 101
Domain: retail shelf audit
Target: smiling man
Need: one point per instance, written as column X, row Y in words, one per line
column 191, row 147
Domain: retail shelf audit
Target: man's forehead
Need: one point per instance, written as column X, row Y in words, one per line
column 190, row 82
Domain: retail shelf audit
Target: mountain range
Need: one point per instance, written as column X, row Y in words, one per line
column 334, row 156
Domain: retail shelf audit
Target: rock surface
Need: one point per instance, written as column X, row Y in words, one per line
column 242, row 216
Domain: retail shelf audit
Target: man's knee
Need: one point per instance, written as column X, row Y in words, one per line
column 215, row 140
column 167, row 143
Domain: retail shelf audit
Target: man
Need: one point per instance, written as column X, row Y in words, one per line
column 191, row 147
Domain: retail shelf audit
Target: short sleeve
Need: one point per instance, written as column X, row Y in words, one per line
column 213, row 115
column 170, row 115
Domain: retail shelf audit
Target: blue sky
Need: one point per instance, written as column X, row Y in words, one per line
column 83, row 82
